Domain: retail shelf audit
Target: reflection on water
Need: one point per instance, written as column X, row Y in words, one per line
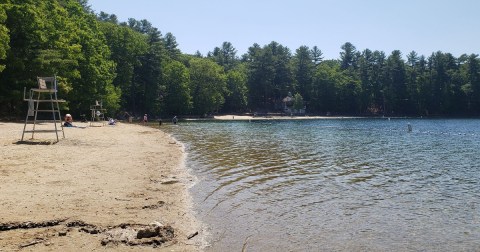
column 350, row 184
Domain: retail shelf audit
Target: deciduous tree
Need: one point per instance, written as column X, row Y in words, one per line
column 178, row 100
column 208, row 85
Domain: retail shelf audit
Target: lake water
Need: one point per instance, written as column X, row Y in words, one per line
column 336, row 184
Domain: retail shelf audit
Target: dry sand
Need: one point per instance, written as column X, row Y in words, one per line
column 98, row 184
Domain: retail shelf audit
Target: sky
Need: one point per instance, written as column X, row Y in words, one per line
column 424, row 26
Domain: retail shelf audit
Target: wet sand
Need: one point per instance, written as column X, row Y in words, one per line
column 97, row 189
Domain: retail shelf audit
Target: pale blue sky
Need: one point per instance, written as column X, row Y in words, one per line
column 422, row 25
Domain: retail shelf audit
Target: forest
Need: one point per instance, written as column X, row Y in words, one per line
column 132, row 67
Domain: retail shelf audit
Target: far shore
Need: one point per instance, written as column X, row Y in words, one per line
column 113, row 188
column 275, row 117
column 296, row 117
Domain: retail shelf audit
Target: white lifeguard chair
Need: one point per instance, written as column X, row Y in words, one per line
column 97, row 114
column 45, row 94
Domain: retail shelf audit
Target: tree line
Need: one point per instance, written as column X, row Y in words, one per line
column 132, row 67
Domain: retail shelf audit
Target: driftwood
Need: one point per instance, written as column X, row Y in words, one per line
column 28, row 244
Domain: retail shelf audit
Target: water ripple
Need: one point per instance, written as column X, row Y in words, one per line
column 356, row 184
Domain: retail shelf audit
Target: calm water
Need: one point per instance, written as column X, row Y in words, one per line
column 337, row 185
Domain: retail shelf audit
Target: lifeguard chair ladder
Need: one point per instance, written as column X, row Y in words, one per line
column 46, row 93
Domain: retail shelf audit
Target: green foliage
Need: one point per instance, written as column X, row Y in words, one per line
column 225, row 56
column 151, row 71
column 126, row 46
column 472, row 86
column 303, row 65
column 4, row 37
column 111, row 98
column 42, row 43
column 348, row 56
column 395, row 89
column 236, row 99
column 178, row 100
column 208, row 86
column 171, row 46
column 316, row 55
column 298, row 101
column 270, row 75
column 96, row 69
column 323, row 92
column 131, row 67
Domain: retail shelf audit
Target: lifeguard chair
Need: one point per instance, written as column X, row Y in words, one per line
column 45, row 94
column 98, row 114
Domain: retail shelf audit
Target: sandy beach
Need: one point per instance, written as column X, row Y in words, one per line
column 114, row 188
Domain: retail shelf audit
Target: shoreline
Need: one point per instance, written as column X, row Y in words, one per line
column 96, row 189
column 274, row 117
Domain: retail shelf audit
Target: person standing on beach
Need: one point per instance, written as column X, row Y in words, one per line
column 175, row 120
column 145, row 119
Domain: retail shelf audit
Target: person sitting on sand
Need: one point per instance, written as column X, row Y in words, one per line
column 68, row 121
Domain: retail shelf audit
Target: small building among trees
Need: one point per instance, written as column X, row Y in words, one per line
column 293, row 105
